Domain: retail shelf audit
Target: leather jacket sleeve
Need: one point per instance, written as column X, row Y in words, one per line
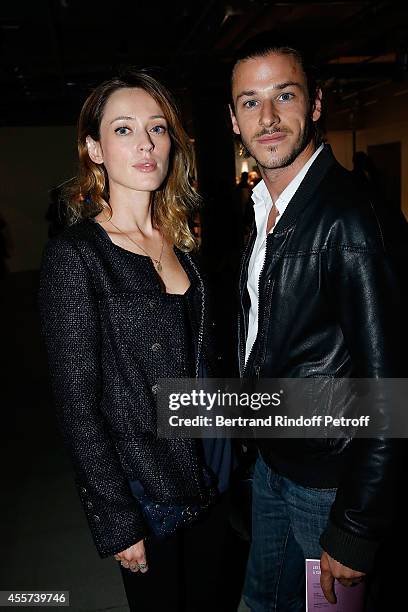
column 365, row 285
column 70, row 325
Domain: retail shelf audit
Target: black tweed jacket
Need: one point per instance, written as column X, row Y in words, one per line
column 111, row 333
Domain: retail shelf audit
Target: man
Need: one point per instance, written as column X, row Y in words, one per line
column 319, row 297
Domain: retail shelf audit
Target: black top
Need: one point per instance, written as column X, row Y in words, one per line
column 111, row 334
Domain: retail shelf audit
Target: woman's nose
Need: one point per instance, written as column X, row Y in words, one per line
column 146, row 145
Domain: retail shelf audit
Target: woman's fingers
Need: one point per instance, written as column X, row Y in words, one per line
column 140, row 557
column 133, row 558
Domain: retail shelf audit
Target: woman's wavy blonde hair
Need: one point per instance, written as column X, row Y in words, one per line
column 174, row 201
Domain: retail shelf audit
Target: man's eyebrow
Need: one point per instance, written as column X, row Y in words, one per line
column 128, row 118
column 279, row 86
column 287, row 84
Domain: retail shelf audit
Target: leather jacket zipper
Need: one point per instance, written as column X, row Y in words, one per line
column 241, row 349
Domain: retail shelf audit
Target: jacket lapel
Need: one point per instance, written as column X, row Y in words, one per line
column 324, row 161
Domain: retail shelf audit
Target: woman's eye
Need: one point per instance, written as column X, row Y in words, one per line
column 250, row 103
column 159, row 129
column 122, row 130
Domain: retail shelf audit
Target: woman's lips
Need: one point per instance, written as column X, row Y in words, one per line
column 272, row 138
column 149, row 166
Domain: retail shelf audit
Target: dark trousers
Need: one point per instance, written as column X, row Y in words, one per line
column 199, row 569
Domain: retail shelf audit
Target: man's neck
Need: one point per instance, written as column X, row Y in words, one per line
column 277, row 179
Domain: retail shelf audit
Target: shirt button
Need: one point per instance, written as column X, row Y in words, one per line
column 156, row 347
column 152, row 304
column 96, row 518
column 89, row 504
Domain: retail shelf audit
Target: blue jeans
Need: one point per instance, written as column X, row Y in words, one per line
column 287, row 520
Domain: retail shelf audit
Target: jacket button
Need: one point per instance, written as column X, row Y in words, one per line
column 96, row 518
column 155, row 388
column 89, row 504
column 152, row 304
column 156, row 347
column 84, row 490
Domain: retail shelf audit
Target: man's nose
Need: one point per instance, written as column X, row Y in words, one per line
column 269, row 115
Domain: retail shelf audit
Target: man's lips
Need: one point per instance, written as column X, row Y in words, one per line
column 147, row 166
column 271, row 138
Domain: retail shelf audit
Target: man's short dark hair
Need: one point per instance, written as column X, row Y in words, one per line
column 269, row 42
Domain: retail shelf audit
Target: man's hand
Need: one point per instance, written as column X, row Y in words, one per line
column 331, row 569
column 134, row 558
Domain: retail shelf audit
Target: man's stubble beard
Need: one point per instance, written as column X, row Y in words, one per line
column 304, row 138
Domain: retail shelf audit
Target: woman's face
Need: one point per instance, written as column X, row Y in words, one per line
column 134, row 143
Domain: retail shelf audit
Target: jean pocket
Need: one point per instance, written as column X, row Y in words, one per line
column 322, row 490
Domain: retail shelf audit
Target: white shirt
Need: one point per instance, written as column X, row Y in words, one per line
column 262, row 207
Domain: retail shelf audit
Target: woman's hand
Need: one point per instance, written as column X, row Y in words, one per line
column 134, row 558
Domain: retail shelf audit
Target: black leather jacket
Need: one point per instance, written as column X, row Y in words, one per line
column 331, row 304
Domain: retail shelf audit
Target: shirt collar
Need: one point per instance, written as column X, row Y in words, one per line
column 261, row 195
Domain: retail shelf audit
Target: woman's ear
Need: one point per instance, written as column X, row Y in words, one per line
column 94, row 150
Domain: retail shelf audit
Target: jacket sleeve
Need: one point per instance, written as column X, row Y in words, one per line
column 70, row 326
column 367, row 295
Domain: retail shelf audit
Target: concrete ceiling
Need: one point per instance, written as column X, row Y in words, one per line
column 53, row 51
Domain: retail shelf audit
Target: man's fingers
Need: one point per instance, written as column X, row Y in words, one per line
column 327, row 584
column 349, row 582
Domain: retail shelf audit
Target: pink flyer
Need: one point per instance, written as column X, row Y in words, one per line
column 349, row 599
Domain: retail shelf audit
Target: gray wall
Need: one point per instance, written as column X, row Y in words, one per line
column 34, row 159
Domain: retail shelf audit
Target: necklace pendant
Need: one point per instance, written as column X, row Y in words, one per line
column 158, row 266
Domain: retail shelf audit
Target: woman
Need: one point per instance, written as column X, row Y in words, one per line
column 123, row 304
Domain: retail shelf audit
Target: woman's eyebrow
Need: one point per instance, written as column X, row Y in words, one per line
column 122, row 118
column 128, row 118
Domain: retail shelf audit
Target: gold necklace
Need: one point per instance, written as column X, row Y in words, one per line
column 156, row 262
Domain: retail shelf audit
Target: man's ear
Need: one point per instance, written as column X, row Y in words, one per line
column 94, row 150
column 317, row 105
column 234, row 121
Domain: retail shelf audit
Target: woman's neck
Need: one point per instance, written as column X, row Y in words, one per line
column 130, row 212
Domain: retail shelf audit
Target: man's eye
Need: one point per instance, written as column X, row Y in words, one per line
column 250, row 103
column 159, row 129
column 286, row 97
column 122, row 130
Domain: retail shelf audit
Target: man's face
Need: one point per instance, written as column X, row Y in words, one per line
column 272, row 112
